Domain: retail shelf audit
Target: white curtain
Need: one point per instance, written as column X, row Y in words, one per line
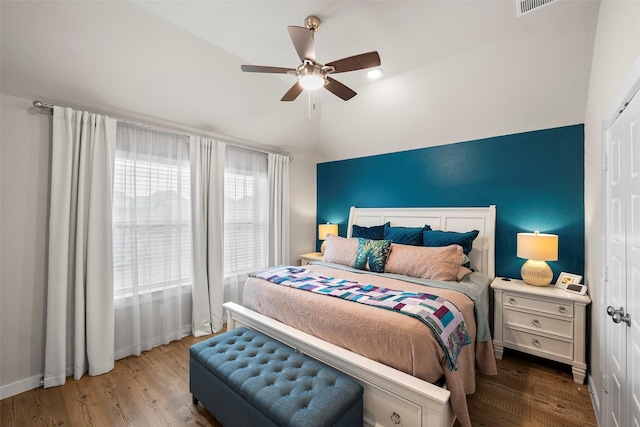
column 246, row 209
column 79, row 330
column 152, row 239
column 207, row 177
column 279, row 253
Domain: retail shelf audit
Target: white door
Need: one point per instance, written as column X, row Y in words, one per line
column 633, row 263
column 623, row 261
column 616, row 262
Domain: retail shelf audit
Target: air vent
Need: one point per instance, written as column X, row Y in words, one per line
column 526, row 6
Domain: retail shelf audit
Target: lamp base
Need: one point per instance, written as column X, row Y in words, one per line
column 323, row 246
column 536, row 273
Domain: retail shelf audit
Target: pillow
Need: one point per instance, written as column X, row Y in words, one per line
column 466, row 261
column 405, row 235
column 375, row 233
column 340, row 250
column 439, row 238
column 374, row 253
column 463, row 271
column 437, row 263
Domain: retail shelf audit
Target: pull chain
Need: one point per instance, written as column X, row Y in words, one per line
column 312, row 103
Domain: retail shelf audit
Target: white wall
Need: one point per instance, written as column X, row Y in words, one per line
column 24, row 182
column 616, row 48
column 532, row 78
column 303, row 206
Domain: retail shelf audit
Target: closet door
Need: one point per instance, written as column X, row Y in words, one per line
column 623, row 261
column 633, row 262
column 616, row 265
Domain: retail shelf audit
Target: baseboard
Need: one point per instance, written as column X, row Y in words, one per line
column 20, row 386
column 595, row 399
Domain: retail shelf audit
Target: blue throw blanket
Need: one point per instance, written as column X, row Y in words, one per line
column 440, row 315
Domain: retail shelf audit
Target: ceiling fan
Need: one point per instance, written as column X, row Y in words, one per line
column 311, row 74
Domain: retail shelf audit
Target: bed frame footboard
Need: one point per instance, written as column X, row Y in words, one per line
column 391, row 397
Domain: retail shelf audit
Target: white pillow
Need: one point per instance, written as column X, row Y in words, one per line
column 340, row 250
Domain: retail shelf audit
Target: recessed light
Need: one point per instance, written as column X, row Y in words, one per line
column 375, row 73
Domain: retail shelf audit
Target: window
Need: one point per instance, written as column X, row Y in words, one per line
column 151, row 212
column 245, row 211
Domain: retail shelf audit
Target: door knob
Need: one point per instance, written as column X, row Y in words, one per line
column 619, row 315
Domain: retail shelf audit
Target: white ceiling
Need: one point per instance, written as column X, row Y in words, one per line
column 454, row 70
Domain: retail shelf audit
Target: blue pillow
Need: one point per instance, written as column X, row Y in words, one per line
column 405, row 235
column 374, row 233
column 375, row 252
column 438, row 238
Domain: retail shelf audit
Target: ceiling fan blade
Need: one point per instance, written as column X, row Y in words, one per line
column 339, row 89
column 263, row 69
column 357, row 62
column 293, row 93
column 302, row 39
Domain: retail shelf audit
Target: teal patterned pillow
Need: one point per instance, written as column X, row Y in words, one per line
column 438, row 238
column 374, row 252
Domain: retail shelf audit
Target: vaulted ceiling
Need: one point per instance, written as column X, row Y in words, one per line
column 453, row 70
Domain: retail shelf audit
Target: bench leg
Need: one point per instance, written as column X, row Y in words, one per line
column 194, row 399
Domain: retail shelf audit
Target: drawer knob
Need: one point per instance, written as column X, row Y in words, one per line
column 395, row 418
column 536, row 323
column 536, row 343
column 562, row 309
column 512, row 300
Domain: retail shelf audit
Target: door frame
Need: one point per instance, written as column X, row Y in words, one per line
column 630, row 86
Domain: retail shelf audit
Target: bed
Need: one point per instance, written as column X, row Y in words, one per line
column 402, row 374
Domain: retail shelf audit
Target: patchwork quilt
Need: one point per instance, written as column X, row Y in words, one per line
column 440, row 315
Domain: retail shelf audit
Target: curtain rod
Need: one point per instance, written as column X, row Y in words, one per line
column 49, row 107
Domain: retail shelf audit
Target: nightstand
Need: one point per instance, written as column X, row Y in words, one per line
column 543, row 321
column 312, row 256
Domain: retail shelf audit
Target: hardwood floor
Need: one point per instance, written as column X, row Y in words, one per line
column 530, row 392
column 153, row 390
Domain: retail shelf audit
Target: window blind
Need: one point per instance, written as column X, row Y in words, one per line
column 151, row 212
column 245, row 211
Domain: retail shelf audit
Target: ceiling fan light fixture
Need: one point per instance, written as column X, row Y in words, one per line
column 312, row 81
column 311, row 76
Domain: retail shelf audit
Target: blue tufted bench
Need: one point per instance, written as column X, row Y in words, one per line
column 247, row 379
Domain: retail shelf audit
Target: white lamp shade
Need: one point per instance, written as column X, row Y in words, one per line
column 312, row 81
column 537, row 246
column 324, row 229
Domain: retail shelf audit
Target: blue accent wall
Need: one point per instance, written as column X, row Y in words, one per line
column 535, row 179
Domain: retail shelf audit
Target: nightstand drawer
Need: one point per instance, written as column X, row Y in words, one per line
column 536, row 322
column 514, row 300
column 525, row 340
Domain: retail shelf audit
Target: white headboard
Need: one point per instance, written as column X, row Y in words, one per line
column 482, row 255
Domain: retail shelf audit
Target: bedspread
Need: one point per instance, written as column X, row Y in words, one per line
column 399, row 341
column 440, row 315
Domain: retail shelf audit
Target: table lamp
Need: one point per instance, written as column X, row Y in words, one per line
column 323, row 230
column 537, row 248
